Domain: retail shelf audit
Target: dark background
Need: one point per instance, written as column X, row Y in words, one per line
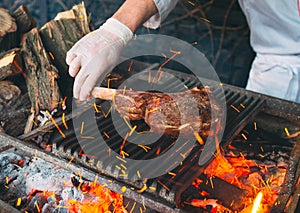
column 216, row 27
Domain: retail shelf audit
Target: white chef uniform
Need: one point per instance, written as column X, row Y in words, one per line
column 274, row 36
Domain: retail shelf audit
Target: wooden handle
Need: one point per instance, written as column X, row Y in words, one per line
column 103, row 93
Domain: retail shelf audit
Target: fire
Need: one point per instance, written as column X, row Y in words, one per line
column 257, row 203
column 95, row 198
column 101, row 200
column 262, row 185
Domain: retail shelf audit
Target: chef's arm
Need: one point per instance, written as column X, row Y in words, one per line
column 133, row 13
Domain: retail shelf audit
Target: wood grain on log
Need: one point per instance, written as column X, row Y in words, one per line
column 14, row 108
column 8, row 31
column 59, row 35
column 11, row 63
column 25, row 21
column 41, row 75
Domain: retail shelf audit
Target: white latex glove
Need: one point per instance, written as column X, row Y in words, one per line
column 96, row 53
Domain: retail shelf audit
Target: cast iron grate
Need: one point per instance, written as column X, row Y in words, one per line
column 240, row 109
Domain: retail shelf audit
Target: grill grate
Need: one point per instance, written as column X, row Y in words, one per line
column 240, row 109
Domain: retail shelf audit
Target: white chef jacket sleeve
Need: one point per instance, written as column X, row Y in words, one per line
column 164, row 7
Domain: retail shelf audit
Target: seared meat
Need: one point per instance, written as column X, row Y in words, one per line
column 185, row 112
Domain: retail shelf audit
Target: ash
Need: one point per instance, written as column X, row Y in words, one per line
column 28, row 178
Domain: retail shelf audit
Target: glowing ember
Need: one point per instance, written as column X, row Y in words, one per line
column 101, row 199
column 250, row 175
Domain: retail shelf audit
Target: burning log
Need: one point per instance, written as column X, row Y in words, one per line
column 11, row 64
column 8, row 31
column 60, row 34
column 41, row 75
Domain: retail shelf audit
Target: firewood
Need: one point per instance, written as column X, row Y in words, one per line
column 40, row 74
column 25, row 21
column 9, row 91
column 60, row 34
column 14, row 107
column 11, row 64
column 8, row 31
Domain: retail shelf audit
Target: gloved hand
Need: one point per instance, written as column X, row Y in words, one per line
column 96, row 53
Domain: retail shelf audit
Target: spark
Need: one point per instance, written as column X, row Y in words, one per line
column 34, row 122
column 172, row 173
column 255, row 125
column 123, row 144
column 149, row 77
column 106, row 135
column 192, row 3
column 87, row 137
column 159, row 73
column 130, row 65
column 199, row 138
column 244, row 136
column 132, row 130
column 211, row 182
column 106, row 114
column 144, row 147
column 163, row 185
column 152, row 188
column 294, row 134
column 142, row 189
column 158, row 151
column 123, row 174
column 287, row 131
column 51, row 55
column 153, row 110
column 127, row 205
column 242, row 105
column 133, row 206
column 96, row 108
column 64, row 121
column 68, row 164
column 121, row 159
column 96, row 179
column 82, row 127
column 123, row 166
column 56, row 125
column 236, row 109
column 205, row 20
column 37, row 206
column 138, row 174
column 182, row 155
column 63, row 103
column 109, row 80
column 123, row 153
column 127, row 123
column 123, row 189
